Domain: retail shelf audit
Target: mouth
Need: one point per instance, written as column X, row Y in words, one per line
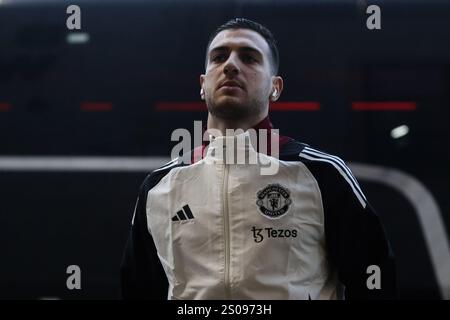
column 230, row 85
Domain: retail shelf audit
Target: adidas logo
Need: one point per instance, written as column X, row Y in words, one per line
column 184, row 214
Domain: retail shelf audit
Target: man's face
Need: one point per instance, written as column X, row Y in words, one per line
column 238, row 79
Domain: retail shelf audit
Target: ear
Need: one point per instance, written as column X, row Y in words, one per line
column 202, row 88
column 277, row 88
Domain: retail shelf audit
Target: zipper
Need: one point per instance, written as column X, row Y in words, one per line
column 226, row 230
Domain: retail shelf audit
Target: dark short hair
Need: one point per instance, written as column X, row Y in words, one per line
column 242, row 23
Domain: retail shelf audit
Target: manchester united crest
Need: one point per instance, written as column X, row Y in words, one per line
column 273, row 201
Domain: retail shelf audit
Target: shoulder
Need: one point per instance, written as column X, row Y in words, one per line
column 150, row 181
column 153, row 178
column 331, row 171
column 326, row 161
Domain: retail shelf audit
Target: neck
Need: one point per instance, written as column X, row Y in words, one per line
column 223, row 124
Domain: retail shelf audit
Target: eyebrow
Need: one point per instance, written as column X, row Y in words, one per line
column 242, row 49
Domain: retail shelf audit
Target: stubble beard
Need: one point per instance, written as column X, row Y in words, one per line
column 234, row 111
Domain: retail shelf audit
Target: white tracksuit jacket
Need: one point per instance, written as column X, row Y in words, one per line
column 217, row 229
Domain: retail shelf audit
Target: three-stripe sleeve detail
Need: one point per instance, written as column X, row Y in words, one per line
column 338, row 163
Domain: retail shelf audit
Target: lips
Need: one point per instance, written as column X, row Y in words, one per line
column 230, row 83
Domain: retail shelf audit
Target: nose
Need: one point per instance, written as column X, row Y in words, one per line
column 231, row 66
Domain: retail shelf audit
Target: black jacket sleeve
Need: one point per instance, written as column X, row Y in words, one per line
column 142, row 275
column 355, row 237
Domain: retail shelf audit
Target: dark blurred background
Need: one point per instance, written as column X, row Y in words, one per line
column 86, row 114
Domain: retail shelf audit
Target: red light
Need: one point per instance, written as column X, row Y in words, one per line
column 180, row 106
column 294, row 106
column 96, row 106
column 201, row 106
column 4, row 106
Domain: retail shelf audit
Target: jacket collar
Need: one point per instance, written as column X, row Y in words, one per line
column 200, row 152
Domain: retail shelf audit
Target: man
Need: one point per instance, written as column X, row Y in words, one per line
column 213, row 229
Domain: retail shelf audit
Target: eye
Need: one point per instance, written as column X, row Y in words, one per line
column 218, row 58
column 248, row 59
